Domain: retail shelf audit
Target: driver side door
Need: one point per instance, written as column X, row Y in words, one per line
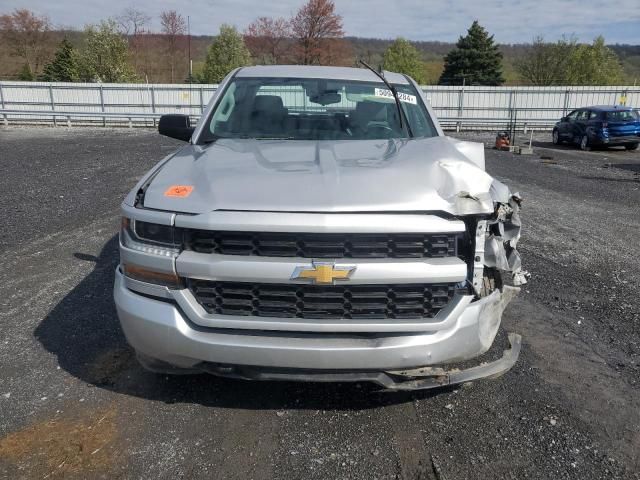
column 565, row 129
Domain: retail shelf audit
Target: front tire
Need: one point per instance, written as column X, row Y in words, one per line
column 631, row 146
column 585, row 144
column 555, row 137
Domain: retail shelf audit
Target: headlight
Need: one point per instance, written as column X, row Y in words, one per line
column 152, row 238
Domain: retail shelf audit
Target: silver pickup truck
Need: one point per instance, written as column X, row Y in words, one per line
column 318, row 226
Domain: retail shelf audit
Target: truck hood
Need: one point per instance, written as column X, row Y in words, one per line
column 430, row 174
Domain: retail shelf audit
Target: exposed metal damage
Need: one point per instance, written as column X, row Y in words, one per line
column 503, row 234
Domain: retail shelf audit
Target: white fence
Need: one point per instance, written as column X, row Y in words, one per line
column 141, row 104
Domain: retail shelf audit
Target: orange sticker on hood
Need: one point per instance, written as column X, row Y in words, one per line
column 179, row 191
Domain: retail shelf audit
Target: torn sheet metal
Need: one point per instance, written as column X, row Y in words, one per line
column 500, row 247
column 430, row 377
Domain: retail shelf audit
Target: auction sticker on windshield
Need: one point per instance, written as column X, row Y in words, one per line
column 404, row 97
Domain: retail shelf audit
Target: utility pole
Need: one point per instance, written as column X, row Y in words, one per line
column 189, row 47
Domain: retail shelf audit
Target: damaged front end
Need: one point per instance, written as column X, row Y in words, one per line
column 495, row 276
column 494, row 262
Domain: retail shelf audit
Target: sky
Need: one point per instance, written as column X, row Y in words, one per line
column 511, row 21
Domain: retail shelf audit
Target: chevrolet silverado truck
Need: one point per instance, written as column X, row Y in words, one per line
column 317, row 225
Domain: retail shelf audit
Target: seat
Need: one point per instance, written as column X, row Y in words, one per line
column 367, row 112
column 268, row 115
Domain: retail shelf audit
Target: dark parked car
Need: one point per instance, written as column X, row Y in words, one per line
column 599, row 126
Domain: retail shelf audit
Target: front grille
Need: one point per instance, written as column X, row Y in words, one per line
column 331, row 245
column 322, row 302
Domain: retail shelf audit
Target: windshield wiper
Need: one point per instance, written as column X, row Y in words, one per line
column 394, row 92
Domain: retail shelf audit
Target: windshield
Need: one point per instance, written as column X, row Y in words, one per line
column 315, row 109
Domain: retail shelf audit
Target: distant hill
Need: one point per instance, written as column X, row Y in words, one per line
column 151, row 65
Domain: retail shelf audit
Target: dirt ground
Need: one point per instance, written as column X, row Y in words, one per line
column 75, row 404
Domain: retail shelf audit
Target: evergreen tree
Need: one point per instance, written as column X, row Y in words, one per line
column 476, row 58
column 227, row 52
column 403, row 57
column 64, row 66
column 26, row 75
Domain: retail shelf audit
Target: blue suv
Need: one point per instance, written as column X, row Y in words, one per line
column 599, row 126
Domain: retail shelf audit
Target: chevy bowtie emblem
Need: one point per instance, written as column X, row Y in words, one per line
column 323, row 272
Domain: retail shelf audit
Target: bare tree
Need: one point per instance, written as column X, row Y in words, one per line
column 266, row 38
column 28, row 36
column 132, row 22
column 337, row 51
column 173, row 28
column 315, row 23
column 546, row 64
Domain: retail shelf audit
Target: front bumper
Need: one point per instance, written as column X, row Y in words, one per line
column 160, row 330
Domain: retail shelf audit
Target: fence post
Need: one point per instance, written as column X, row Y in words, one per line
column 623, row 97
column 460, row 107
column 4, row 115
column 511, row 125
column 104, row 119
column 53, row 104
column 201, row 100
column 565, row 107
column 153, row 104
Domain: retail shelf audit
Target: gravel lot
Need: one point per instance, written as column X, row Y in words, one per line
column 75, row 404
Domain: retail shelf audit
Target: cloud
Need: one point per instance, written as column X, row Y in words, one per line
column 511, row 21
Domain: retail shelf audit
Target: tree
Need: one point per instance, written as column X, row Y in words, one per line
column 313, row 26
column 227, row 52
column 594, row 64
column 336, row 51
column 476, row 60
column 173, row 28
column 266, row 38
column 28, row 36
column 546, row 64
column 25, row 74
column 132, row 23
column 106, row 55
column 403, row 57
column 64, row 66
column 568, row 63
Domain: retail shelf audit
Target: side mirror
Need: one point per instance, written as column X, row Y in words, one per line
column 176, row 126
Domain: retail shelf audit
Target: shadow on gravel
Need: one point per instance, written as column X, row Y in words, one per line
column 84, row 333
column 566, row 146
column 605, row 179
column 632, row 167
column 550, row 145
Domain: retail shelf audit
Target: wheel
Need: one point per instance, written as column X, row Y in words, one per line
column 584, row 143
column 556, row 137
column 631, row 146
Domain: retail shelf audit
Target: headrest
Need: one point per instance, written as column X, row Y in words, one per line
column 371, row 111
column 268, row 103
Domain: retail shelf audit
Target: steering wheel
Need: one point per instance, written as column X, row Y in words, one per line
column 382, row 130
